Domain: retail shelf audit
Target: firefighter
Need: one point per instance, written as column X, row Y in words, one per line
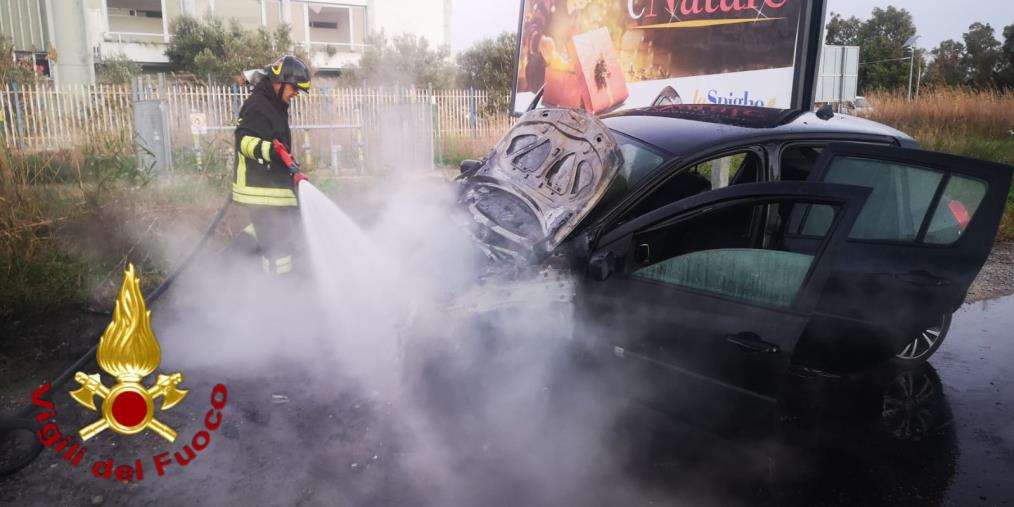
column 266, row 174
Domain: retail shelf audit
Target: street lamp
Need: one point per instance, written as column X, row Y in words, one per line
column 910, row 45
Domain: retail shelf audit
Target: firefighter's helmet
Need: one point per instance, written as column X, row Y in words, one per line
column 291, row 70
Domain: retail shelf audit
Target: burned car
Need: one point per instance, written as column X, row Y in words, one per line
column 732, row 245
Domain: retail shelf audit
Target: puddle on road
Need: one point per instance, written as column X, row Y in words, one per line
column 976, row 363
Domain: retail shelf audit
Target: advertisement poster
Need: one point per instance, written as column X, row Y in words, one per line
column 604, row 55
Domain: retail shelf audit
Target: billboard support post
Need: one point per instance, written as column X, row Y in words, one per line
column 811, row 28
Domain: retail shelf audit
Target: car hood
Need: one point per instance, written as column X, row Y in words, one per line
column 539, row 181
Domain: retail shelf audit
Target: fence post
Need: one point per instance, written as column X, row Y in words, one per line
column 360, row 138
column 472, row 113
column 436, row 126
column 235, row 102
column 19, row 119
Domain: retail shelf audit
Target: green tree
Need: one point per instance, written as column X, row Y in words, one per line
column 489, row 65
column 881, row 44
column 116, row 70
column 214, row 50
column 842, row 31
column 1006, row 78
column 982, row 55
column 948, row 66
column 402, row 60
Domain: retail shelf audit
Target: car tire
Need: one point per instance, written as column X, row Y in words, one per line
column 924, row 345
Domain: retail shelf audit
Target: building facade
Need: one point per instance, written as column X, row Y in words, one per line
column 65, row 38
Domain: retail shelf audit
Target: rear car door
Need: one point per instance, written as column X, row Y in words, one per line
column 698, row 307
column 915, row 248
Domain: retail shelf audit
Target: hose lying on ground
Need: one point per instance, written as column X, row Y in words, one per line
column 23, row 420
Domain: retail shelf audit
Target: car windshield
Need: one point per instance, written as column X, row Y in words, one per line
column 640, row 159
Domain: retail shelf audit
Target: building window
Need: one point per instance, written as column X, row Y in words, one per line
column 338, row 26
column 138, row 20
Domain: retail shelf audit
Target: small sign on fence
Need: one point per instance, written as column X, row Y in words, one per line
column 198, row 124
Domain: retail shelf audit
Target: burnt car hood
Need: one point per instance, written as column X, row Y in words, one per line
column 539, row 182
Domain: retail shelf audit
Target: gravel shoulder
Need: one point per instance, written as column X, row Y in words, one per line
column 997, row 276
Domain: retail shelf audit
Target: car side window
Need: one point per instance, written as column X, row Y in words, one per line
column 901, row 199
column 729, row 169
column 798, row 160
column 717, row 252
column 961, row 199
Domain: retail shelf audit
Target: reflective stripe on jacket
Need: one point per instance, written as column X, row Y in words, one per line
column 260, row 179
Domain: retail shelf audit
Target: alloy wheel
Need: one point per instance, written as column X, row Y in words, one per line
column 923, row 344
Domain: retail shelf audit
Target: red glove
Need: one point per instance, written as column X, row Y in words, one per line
column 284, row 155
column 298, row 177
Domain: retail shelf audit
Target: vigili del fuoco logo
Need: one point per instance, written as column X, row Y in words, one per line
column 129, row 352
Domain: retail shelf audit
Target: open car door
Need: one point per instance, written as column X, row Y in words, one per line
column 695, row 301
column 916, row 246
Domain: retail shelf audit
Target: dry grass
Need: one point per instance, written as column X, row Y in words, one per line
column 976, row 123
column 456, row 149
column 962, row 121
column 67, row 220
column 26, row 237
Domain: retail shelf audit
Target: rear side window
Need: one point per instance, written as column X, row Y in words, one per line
column 901, row 200
column 962, row 197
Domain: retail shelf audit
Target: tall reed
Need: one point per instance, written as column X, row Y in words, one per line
column 964, row 121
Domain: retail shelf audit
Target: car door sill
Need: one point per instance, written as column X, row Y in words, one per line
column 623, row 353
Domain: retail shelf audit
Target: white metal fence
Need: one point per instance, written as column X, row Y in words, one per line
column 41, row 117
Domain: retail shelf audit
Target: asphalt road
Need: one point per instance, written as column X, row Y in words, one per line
column 942, row 435
column 976, row 365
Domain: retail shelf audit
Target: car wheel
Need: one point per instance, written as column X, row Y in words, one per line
column 923, row 346
column 912, row 405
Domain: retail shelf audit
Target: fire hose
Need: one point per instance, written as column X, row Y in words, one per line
column 22, row 420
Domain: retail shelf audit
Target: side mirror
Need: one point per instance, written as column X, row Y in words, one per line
column 600, row 266
column 469, row 165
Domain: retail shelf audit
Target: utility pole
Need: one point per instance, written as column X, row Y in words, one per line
column 918, row 81
column 912, row 63
column 910, row 44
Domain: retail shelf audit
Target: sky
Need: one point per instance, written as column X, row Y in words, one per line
column 935, row 20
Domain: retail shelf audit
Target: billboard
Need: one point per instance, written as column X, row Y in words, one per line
column 604, row 55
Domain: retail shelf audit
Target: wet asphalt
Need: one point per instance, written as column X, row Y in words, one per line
column 976, row 367
column 942, row 434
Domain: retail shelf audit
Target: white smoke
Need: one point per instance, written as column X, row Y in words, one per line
column 478, row 405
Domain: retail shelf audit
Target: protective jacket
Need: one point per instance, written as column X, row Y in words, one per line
column 260, row 177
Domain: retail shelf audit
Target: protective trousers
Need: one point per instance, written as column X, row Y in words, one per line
column 279, row 236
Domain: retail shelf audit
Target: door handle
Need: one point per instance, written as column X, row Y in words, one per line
column 750, row 342
column 922, row 279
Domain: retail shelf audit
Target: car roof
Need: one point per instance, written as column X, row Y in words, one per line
column 687, row 128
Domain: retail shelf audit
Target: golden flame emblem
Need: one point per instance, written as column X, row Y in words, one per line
column 129, row 352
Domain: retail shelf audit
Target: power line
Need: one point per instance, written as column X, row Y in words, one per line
column 889, row 60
